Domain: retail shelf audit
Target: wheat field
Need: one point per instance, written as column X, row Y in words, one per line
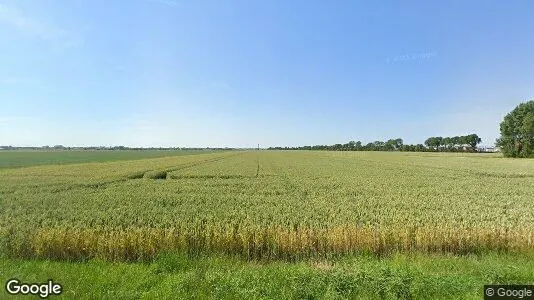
column 269, row 205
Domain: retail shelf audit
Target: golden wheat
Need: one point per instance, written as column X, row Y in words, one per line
column 299, row 205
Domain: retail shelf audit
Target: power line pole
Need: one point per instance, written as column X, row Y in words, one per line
column 258, row 162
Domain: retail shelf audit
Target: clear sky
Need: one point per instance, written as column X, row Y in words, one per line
column 277, row 73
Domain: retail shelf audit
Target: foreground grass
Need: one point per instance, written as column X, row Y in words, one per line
column 26, row 158
column 414, row 276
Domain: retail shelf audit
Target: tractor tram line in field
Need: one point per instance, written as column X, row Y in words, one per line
column 294, row 205
column 151, row 174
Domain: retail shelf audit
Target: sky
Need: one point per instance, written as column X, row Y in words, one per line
column 238, row 73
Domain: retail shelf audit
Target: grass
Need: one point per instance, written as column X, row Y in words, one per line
column 177, row 276
column 26, row 158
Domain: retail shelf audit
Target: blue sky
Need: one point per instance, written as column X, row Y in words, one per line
column 239, row 73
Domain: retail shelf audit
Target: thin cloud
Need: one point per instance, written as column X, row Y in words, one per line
column 43, row 30
column 412, row 57
column 170, row 3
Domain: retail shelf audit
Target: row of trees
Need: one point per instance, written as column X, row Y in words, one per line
column 462, row 143
column 516, row 140
column 453, row 143
column 115, row 148
column 390, row 145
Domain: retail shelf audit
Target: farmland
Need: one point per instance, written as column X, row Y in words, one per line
column 271, row 207
column 24, row 158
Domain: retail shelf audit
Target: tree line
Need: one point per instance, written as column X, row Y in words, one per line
column 110, row 148
column 453, row 143
column 467, row 143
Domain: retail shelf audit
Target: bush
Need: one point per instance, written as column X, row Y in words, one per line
column 136, row 175
column 156, row 175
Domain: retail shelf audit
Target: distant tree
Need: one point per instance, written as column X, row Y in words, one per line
column 517, row 131
column 398, row 143
column 420, row 148
column 439, row 142
column 379, row 145
column 389, row 145
column 447, row 143
column 429, row 142
column 473, row 140
column 455, row 141
column 433, row 143
column 406, row 147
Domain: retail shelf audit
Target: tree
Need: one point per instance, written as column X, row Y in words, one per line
column 517, row 131
column 455, row 140
column 398, row 143
column 350, row 146
column 379, row 145
column 447, row 142
column 473, row 140
column 439, row 142
column 433, row 143
column 390, row 145
column 420, row 148
column 430, row 142
column 369, row 147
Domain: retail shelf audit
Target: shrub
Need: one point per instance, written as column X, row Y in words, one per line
column 155, row 175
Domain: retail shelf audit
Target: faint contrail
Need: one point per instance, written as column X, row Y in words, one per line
column 413, row 56
column 170, row 3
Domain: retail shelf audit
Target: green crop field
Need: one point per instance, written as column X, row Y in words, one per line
column 25, row 158
column 276, row 207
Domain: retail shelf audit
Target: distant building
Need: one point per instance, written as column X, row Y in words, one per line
column 488, row 149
